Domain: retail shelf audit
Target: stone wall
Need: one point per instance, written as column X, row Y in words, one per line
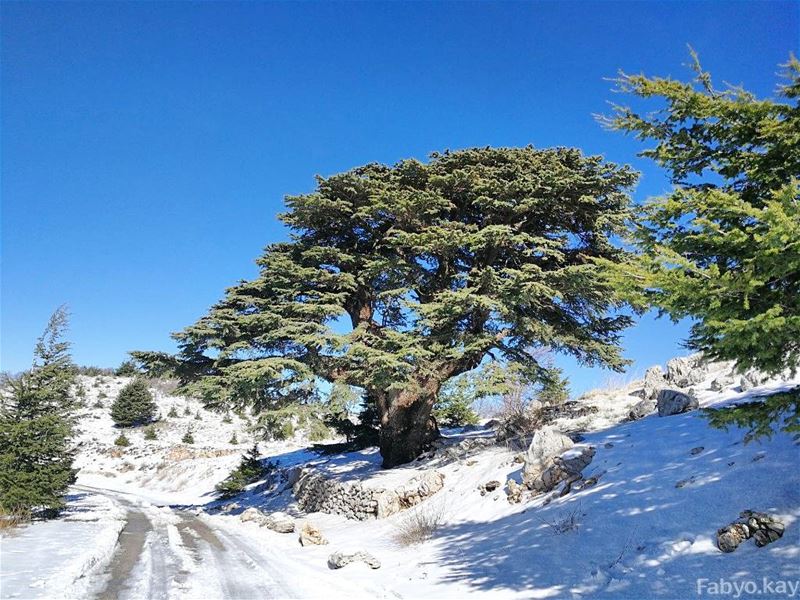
column 315, row 492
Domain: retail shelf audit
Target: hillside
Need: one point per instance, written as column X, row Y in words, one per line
column 641, row 520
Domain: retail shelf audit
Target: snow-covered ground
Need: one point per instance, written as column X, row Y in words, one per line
column 646, row 528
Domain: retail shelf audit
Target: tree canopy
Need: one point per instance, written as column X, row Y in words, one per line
column 397, row 278
column 724, row 246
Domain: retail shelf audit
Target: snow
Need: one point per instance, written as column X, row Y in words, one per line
column 645, row 529
column 78, row 545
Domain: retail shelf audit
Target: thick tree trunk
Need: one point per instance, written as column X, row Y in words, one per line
column 407, row 427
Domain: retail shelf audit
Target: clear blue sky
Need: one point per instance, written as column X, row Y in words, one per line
column 147, row 147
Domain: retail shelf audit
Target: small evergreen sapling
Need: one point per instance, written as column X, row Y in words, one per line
column 150, row 433
column 122, row 440
column 234, row 441
column 134, row 405
column 248, row 471
column 172, row 412
column 188, row 438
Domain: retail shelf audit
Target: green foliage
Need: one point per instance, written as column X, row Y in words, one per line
column 127, row 369
column 91, row 371
column 554, row 387
column 98, row 404
column 36, row 427
column 172, row 412
column 150, row 433
column 435, row 265
column 197, row 416
column 134, row 405
column 186, row 412
column 453, row 407
column 234, row 440
column 249, row 470
column 102, row 396
column 227, row 419
column 759, row 417
column 188, row 438
column 723, row 248
column 122, row 440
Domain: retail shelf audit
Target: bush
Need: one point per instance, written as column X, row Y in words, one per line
column 197, row 416
column 102, row 396
column 249, row 470
column 227, row 419
column 127, row 369
column 186, row 411
column 188, row 438
column 150, row 433
column 420, row 525
column 234, row 440
column 134, row 405
column 98, row 404
column 172, row 413
column 122, row 440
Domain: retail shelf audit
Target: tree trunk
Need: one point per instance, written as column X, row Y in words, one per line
column 407, row 427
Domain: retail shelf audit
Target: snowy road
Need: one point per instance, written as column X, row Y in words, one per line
column 165, row 554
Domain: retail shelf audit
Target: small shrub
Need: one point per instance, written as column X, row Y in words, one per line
column 249, row 470
column 564, row 522
column 134, row 405
column 102, row 395
column 188, row 438
column 11, row 519
column 234, row 440
column 186, row 411
column 227, row 419
column 420, row 525
column 122, row 440
column 172, row 412
column 197, row 416
column 150, row 433
column 98, row 404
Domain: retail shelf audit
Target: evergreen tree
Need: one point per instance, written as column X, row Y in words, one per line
column 485, row 250
column 150, row 433
column 554, row 388
column 36, row 427
column 234, row 440
column 127, row 369
column 453, row 407
column 122, row 440
column 188, row 438
column 134, row 405
column 172, row 412
column 248, row 471
column 723, row 248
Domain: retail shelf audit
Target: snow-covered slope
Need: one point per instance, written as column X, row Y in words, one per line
column 645, row 528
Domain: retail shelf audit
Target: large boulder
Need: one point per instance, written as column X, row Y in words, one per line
column 311, row 536
column 409, row 494
column 686, row 371
column 654, row 382
column 641, row 409
column 337, row 560
column 568, row 467
column 673, row 402
column 279, row 522
column 751, row 379
column 253, row 514
column 546, row 443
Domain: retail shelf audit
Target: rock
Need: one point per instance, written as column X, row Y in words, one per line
column 654, row 382
column 763, row 528
column 489, row 486
column 641, row 409
column 547, row 442
column 686, row 370
column 279, row 522
column 697, row 450
column 252, row 514
column 673, row 402
column 514, row 492
column 751, row 379
column 230, row 507
column 729, row 538
column 337, row 560
column 567, row 467
column 311, row 536
column 720, row 383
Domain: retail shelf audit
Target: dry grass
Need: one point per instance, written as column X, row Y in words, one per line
column 421, row 524
column 11, row 520
column 564, row 522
